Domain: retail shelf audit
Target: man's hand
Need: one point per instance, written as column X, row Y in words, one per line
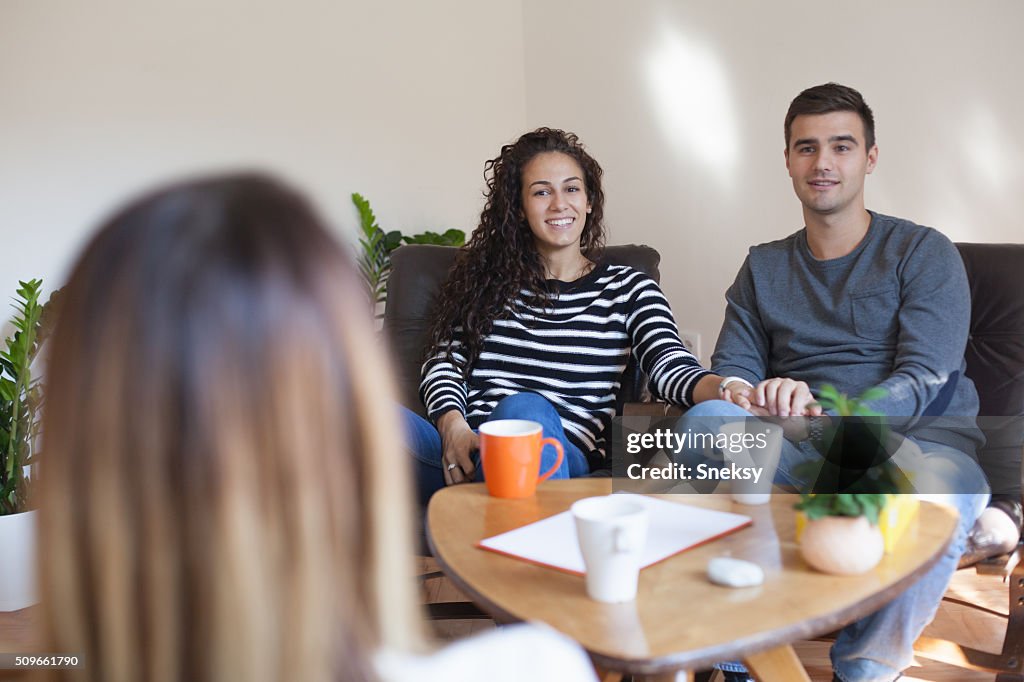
column 783, row 397
column 458, row 442
column 793, row 428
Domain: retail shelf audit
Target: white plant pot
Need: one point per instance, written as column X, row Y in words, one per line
column 18, row 561
column 842, row 545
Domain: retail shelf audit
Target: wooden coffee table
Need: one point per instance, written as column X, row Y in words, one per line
column 680, row 621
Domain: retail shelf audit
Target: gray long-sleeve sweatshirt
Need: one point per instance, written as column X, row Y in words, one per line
column 895, row 313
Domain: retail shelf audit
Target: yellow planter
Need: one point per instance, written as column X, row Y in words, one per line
column 893, row 520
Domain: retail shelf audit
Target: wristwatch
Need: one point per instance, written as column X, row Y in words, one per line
column 816, row 429
column 728, row 380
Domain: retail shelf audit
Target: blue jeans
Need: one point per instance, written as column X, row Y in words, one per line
column 878, row 647
column 425, row 442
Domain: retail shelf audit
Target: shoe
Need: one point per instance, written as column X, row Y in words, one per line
column 996, row 532
column 731, row 676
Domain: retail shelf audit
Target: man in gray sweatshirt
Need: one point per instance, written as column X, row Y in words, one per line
column 857, row 299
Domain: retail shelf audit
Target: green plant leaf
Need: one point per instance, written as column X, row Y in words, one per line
column 367, row 220
column 21, row 394
column 451, row 237
column 845, row 406
column 873, row 393
column 374, row 261
column 847, row 504
column 376, row 246
column 871, row 511
column 8, row 389
column 819, row 506
column 392, row 240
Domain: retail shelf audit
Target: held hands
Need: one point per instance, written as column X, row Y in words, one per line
column 789, row 400
column 777, row 397
column 458, row 442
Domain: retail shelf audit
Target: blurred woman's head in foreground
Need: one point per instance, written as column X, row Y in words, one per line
column 223, row 493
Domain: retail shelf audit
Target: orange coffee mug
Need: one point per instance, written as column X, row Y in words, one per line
column 510, row 453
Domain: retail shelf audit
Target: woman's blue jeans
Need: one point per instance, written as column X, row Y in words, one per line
column 425, row 442
column 880, row 646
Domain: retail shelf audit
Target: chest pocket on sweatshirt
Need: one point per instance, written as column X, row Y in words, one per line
column 875, row 313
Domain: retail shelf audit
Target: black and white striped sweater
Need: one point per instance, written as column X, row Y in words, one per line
column 573, row 353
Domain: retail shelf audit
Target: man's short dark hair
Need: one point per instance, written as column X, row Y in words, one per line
column 824, row 99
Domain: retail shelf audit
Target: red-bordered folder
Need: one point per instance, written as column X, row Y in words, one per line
column 673, row 528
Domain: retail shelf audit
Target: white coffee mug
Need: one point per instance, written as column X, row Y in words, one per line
column 612, row 533
column 753, row 448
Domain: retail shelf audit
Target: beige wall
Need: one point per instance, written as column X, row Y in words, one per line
column 682, row 103
column 401, row 101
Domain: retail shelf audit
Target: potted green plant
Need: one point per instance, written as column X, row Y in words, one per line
column 848, row 491
column 21, row 397
column 842, row 534
column 377, row 245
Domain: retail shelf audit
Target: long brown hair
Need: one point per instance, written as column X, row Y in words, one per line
column 501, row 261
column 218, row 449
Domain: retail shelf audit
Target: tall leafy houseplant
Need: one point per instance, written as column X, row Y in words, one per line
column 377, row 245
column 21, row 395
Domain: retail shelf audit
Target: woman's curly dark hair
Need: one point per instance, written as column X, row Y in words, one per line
column 501, row 259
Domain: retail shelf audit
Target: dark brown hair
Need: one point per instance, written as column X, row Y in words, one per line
column 824, row 99
column 218, row 449
column 501, row 260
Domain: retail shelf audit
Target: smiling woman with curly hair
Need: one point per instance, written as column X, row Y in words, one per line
column 531, row 324
column 473, row 296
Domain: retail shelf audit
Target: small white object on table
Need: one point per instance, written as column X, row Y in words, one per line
column 724, row 570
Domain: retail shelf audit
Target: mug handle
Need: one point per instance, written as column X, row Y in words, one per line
column 620, row 540
column 623, row 540
column 558, row 461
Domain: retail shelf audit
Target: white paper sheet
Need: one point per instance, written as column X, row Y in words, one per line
column 673, row 528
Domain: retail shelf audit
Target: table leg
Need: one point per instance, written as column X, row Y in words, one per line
column 607, row 675
column 780, row 664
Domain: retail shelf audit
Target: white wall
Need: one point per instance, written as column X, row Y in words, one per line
column 683, row 102
column 401, row 101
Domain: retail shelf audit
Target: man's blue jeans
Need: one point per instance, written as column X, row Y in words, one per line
column 425, row 442
column 879, row 647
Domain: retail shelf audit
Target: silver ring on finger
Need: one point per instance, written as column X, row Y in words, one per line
column 452, row 466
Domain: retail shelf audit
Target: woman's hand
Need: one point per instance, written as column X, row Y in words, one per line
column 458, row 442
column 739, row 394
